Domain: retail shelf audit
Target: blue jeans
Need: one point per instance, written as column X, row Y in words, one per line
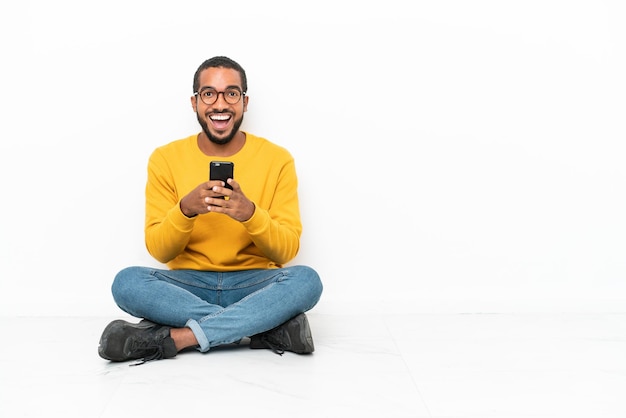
column 219, row 307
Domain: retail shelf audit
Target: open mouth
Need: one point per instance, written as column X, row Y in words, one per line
column 220, row 120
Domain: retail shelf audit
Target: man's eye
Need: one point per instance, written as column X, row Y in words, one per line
column 208, row 93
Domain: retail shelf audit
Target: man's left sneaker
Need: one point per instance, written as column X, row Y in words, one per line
column 294, row 335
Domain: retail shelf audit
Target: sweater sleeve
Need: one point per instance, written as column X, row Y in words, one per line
column 167, row 229
column 276, row 231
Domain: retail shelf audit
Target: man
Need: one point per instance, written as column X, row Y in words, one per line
column 225, row 243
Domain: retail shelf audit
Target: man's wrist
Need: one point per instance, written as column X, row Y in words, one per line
column 180, row 205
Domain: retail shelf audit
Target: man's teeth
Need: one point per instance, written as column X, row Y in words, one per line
column 220, row 117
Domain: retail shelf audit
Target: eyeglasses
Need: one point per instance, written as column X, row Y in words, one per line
column 209, row 96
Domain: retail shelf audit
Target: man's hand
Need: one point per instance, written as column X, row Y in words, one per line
column 212, row 196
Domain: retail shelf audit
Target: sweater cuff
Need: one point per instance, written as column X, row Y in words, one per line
column 180, row 220
column 257, row 221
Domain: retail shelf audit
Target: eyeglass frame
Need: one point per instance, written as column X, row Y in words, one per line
column 217, row 95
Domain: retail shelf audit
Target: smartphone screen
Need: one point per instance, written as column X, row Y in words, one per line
column 221, row 170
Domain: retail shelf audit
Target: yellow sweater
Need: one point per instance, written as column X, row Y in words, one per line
column 214, row 241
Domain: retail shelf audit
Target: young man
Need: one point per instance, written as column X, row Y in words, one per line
column 225, row 243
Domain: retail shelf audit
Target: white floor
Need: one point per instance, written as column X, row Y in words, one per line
column 392, row 366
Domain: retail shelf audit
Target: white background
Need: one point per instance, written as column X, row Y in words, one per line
column 453, row 156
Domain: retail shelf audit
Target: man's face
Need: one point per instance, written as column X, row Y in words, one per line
column 221, row 120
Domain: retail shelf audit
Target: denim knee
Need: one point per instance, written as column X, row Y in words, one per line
column 124, row 283
column 310, row 281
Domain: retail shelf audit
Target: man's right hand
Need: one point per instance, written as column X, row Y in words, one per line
column 194, row 203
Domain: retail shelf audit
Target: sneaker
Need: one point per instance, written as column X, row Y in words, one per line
column 123, row 341
column 294, row 335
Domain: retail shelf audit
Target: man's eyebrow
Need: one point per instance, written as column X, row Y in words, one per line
column 234, row 86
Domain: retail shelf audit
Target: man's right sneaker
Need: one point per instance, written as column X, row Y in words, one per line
column 294, row 335
column 123, row 341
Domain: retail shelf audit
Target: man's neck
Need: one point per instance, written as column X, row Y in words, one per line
column 221, row 150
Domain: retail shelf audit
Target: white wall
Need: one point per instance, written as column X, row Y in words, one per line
column 454, row 156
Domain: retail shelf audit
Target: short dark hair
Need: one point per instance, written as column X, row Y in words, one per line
column 220, row 62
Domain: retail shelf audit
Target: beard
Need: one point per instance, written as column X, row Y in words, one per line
column 217, row 140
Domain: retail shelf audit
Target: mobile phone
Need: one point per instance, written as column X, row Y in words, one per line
column 222, row 170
